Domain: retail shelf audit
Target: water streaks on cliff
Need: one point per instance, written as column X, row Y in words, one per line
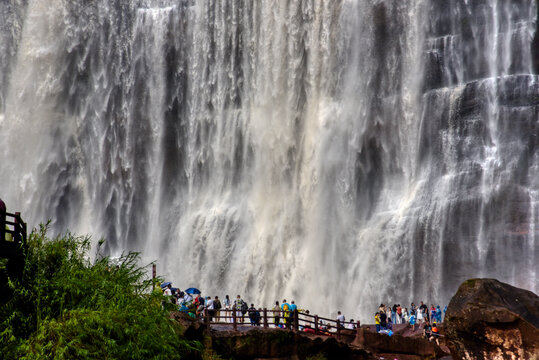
column 378, row 149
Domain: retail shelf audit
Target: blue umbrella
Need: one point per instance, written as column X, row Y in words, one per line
column 164, row 285
column 193, row 291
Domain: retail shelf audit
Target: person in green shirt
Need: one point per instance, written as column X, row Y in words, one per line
column 238, row 308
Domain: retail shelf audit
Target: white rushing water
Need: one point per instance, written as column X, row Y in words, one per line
column 339, row 153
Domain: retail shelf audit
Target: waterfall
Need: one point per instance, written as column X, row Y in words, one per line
column 339, row 153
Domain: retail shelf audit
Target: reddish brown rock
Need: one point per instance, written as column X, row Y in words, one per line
column 490, row 320
column 282, row 344
column 411, row 347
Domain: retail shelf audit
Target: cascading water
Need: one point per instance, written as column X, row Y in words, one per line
column 341, row 153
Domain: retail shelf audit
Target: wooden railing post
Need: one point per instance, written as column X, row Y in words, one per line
column 21, row 228
column 266, row 318
column 360, row 337
column 154, row 274
column 24, row 232
column 234, row 320
column 296, row 320
column 17, row 228
column 338, row 330
column 316, row 324
column 3, row 215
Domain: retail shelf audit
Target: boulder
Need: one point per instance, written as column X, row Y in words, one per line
column 487, row 319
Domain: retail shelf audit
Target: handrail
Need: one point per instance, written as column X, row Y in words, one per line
column 326, row 319
column 292, row 322
column 12, row 223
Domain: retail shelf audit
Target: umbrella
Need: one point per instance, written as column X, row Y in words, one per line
column 193, row 291
column 164, row 285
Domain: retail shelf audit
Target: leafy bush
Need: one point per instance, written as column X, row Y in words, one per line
column 67, row 307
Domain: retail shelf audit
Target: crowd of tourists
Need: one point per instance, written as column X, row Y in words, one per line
column 196, row 306
column 228, row 310
column 281, row 314
column 420, row 315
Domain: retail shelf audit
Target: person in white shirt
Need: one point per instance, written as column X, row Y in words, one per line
column 210, row 307
column 340, row 318
column 209, row 303
column 228, row 305
column 168, row 292
column 405, row 316
column 276, row 314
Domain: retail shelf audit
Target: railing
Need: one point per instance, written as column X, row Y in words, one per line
column 12, row 233
column 295, row 321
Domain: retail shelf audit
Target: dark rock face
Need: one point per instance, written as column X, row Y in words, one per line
column 265, row 344
column 281, row 344
column 415, row 347
column 488, row 319
column 457, row 169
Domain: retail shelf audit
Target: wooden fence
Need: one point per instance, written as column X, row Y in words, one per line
column 295, row 320
column 12, row 234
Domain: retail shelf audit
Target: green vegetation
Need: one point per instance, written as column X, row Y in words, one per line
column 470, row 283
column 68, row 307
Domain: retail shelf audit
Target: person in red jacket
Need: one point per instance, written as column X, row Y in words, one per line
column 399, row 314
